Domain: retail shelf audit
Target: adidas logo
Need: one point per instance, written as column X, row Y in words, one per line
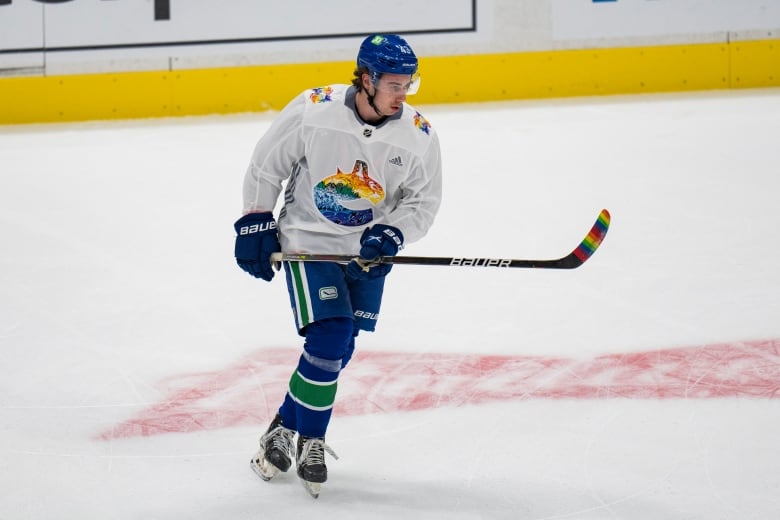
column 397, row 161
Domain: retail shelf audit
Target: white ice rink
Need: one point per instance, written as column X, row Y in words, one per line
column 138, row 364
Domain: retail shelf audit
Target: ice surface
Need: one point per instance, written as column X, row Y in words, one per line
column 138, row 364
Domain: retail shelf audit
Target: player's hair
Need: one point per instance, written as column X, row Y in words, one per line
column 357, row 81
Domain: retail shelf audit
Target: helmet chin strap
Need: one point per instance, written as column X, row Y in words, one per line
column 371, row 102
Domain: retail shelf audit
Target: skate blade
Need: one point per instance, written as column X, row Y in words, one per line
column 313, row 488
column 264, row 469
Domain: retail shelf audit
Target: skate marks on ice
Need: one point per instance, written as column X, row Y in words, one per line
column 247, row 392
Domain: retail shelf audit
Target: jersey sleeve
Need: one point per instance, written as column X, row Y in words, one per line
column 274, row 158
column 420, row 195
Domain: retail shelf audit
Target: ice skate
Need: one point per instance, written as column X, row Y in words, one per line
column 276, row 448
column 311, row 463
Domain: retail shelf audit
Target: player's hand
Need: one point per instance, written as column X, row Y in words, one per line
column 376, row 241
column 256, row 239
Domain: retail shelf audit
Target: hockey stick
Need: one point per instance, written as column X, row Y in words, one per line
column 573, row 260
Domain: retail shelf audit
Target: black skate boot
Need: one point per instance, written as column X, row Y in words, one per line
column 276, row 447
column 311, row 463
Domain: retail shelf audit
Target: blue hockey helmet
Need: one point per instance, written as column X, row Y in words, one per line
column 387, row 54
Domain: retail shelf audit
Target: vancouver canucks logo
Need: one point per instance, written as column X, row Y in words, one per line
column 422, row 123
column 347, row 198
column 321, row 94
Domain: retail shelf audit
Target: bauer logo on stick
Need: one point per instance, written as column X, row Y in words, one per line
column 481, row 262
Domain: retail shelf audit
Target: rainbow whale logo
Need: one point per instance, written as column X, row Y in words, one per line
column 347, row 198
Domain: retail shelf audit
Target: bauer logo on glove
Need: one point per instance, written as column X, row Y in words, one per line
column 257, row 228
column 257, row 239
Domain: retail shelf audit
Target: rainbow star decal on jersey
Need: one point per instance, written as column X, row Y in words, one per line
column 346, row 198
column 321, row 94
column 422, row 123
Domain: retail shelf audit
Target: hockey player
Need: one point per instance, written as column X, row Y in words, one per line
column 363, row 173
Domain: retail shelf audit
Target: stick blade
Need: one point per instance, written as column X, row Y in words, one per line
column 590, row 243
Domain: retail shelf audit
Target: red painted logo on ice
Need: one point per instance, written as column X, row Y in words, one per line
column 249, row 391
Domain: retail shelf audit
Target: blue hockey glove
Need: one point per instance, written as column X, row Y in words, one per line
column 256, row 239
column 376, row 241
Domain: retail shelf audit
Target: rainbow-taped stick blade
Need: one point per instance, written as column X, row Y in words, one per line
column 594, row 238
column 581, row 253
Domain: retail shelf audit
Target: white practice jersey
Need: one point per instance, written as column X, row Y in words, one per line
column 344, row 175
